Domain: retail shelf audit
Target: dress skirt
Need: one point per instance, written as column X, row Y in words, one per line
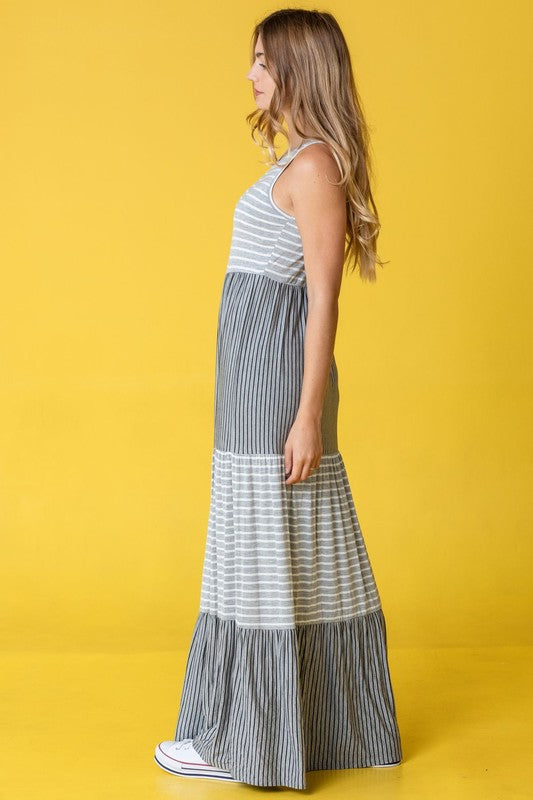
column 287, row 669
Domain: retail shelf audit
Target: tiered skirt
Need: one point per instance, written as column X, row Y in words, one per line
column 287, row 670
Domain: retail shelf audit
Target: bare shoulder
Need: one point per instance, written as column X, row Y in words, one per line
column 317, row 199
column 315, row 162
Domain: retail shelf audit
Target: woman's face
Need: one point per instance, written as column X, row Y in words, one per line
column 262, row 83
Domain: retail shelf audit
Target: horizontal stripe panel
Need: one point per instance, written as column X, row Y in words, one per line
column 264, row 237
column 278, row 555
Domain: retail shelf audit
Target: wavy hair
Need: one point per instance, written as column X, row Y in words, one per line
column 308, row 59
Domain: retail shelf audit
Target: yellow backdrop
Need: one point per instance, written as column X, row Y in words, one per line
column 124, row 149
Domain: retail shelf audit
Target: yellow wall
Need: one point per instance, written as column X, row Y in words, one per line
column 124, row 148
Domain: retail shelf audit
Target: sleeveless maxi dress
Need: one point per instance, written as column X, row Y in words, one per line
column 287, row 669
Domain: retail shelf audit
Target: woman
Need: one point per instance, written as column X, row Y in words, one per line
column 287, row 670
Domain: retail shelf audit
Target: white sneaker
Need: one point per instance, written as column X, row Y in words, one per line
column 180, row 758
column 392, row 764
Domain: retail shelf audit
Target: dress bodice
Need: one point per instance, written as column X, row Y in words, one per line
column 266, row 239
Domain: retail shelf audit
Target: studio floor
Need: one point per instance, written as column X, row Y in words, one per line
column 85, row 725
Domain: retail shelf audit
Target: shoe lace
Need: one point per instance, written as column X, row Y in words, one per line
column 185, row 745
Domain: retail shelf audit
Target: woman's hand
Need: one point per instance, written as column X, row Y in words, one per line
column 303, row 449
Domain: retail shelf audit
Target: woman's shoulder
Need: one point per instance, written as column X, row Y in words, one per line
column 316, row 156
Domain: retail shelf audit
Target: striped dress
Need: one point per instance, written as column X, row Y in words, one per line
column 287, row 669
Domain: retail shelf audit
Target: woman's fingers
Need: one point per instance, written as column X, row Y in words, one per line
column 301, row 470
column 288, row 462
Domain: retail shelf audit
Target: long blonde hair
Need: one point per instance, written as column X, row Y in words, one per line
column 308, row 59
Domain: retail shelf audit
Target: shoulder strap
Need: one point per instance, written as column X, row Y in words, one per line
column 289, row 154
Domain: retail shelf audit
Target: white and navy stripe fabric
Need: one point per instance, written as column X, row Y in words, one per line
column 266, row 240
column 287, row 670
column 277, row 557
column 260, row 364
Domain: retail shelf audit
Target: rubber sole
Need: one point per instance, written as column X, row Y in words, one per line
column 196, row 773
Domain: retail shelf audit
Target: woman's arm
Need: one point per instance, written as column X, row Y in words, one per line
column 320, row 212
